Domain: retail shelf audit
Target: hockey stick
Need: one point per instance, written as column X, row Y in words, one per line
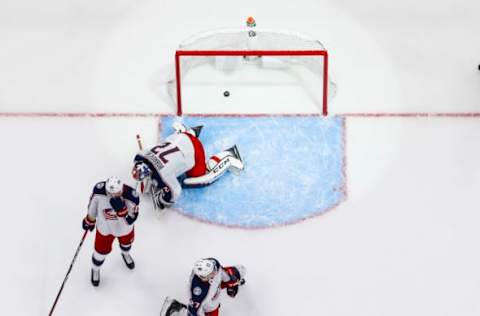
column 139, row 142
column 140, row 147
column 68, row 272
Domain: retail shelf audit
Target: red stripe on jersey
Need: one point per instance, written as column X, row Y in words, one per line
column 200, row 168
column 213, row 313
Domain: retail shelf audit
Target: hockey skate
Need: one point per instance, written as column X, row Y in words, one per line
column 171, row 307
column 235, row 152
column 95, row 277
column 197, row 130
column 236, row 168
column 182, row 128
column 127, row 258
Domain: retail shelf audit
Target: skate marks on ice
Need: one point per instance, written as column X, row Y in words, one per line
column 294, row 169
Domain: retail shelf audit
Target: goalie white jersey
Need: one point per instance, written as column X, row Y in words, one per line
column 181, row 154
column 169, row 160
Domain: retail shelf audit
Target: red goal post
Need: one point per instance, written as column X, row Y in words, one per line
column 290, row 50
column 321, row 53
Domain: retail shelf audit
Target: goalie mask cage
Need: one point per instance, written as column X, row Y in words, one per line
column 293, row 48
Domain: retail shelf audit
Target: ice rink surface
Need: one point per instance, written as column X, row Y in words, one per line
column 405, row 242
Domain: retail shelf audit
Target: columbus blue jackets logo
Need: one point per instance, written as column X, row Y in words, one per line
column 197, row 291
column 110, row 214
column 100, row 185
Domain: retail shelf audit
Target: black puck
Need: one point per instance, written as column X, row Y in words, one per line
column 226, row 93
column 478, row 67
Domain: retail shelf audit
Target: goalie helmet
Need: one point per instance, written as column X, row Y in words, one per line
column 114, row 185
column 204, row 268
column 140, row 171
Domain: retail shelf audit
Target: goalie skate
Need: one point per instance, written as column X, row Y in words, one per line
column 236, row 166
column 217, row 165
column 235, row 152
column 181, row 128
column 172, row 307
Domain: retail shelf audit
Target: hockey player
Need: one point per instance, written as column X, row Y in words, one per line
column 207, row 280
column 113, row 208
column 180, row 154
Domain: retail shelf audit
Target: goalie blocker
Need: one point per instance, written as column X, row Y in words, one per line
column 181, row 155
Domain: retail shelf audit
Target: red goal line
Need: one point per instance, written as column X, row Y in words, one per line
column 140, row 114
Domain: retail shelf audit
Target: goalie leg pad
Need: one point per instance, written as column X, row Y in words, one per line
column 213, row 175
column 217, row 165
column 235, row 160
column 236, row 165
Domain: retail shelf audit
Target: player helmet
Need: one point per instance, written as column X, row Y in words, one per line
column 204, row 268
column 114, row 185
column 140, row 171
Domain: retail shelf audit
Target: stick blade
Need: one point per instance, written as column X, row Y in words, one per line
column 166, row 304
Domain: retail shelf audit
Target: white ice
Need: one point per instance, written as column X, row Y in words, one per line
column 404, row 243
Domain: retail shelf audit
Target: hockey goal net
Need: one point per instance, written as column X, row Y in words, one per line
column 231, row 51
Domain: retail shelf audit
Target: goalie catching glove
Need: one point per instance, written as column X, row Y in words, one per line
column 163, row 197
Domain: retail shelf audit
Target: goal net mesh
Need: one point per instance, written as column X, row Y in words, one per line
column 225, row 48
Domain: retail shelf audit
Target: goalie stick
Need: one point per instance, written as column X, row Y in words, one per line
column 139, row 183
column 139, row 142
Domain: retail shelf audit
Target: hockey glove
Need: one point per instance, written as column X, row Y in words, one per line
column 87, row 224
column 162, row 198
column 233, row 290
column 119, row 206
column 131, row 219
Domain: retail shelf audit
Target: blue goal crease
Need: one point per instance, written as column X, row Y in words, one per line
column 294, row 169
